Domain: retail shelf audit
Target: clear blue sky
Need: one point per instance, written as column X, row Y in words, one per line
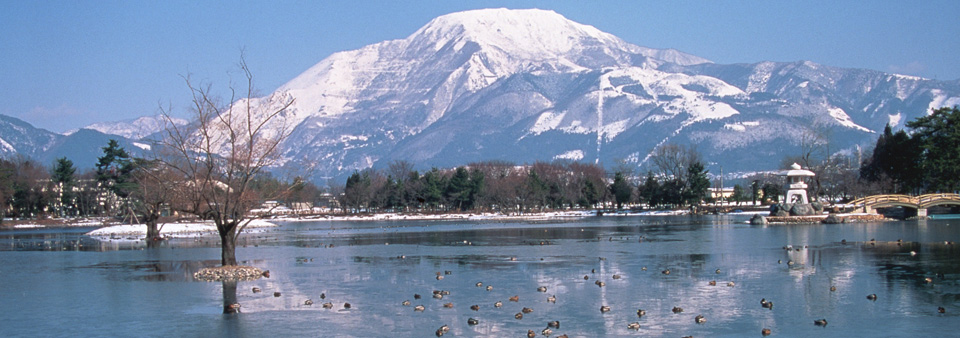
column 66, row 64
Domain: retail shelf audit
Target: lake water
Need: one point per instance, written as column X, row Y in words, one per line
column 58, row 282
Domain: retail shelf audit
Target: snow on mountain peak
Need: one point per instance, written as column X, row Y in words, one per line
column 523, row 33
column 134, row 129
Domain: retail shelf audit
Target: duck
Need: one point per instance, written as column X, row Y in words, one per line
column 405, row 303
column 833, row 288
column 439, row 277
column 256, row 290
column 328, row 305
column 519, row 315
column 419, row 308
column 475, row 307
column 489, row 287
column 712, row 283
column 416, row 296
column 766, row 304
column 634, row 326
column 665, row 272
column 542, row 289
column 498, row 304
column 479, row 284
column 563, row 336
column 604, row 309
column 718, row 271
column 552, row 299
column 585, row 277
column 546, row 332
column 526, row 310
column 346, row 305
column 448, row 305
column 308, row 302
column 616, row 276
column 515, row 298
column 641, row 313
column 699, row 319
column 323, row 295
column 276, row 294
column 554, row 324
column 643, row 268
column 472, row 321
column 872, row 296
column 765, row 332
column 600, row 284
column 531, row 334
column 731, row 284
column 437, row 296
column 677, row 309
column 820, row 322
column 940, row 309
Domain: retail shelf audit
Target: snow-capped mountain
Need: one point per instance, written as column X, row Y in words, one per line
column 528, row 85
column 133, row 129
column 19, row 138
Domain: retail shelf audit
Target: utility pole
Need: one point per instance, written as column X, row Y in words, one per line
column 721, row 185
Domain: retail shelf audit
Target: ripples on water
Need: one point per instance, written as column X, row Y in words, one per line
column 57, row 278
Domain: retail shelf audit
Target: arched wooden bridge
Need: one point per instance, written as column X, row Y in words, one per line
column 921, row 203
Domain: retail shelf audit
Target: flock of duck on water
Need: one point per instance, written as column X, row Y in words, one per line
column 555, row 325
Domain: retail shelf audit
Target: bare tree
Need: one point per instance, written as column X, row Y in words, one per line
column 154, row 190
column 223, row 151
column 672, row 160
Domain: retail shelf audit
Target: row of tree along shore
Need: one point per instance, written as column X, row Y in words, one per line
column 926, row 159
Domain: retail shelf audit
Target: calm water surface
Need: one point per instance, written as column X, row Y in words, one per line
column 58, row 282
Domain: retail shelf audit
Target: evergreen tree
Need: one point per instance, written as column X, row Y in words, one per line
column 697, row 184
column 938, row 137
column 432, row 187
column 356, row 191
column 114, row 169
column 457, row 192
column 649, row 191
column 620, row 189
column 895, row 162
column 63, row 177
column 772, row 192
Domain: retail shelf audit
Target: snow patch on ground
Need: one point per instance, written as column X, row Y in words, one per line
column 546, row 121
column 610, row 131
column 6, row 146
column 575, row 155
column 735, row 127
column 143, row 146
column 841, row 117
column 940, row 100
column 894, row 119
column 170, row 229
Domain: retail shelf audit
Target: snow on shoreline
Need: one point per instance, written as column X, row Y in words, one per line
column 477, row 216
column 170, row 229
column 108, row 230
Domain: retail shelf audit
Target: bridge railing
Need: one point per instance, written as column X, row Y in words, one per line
column 921, row 201
column 931, row 199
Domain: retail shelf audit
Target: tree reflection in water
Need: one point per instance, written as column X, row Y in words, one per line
column 230, row 304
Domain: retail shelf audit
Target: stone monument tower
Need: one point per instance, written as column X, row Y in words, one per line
column 796, row 188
